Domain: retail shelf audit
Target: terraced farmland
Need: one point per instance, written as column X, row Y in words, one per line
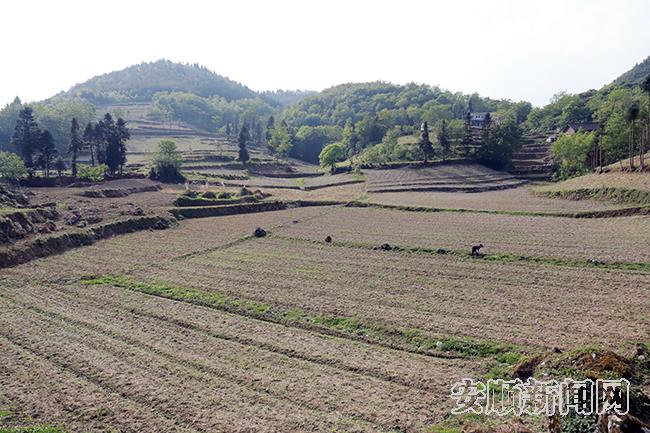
column 464, row 177
column 520, row 199
column 203, row 327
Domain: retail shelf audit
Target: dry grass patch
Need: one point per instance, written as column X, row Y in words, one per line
column 511, row 200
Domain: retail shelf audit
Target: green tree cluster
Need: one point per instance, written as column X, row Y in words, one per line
column 571, row 153
column 167, row 163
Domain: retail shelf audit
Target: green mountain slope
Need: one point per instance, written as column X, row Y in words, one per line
column 139, row 83
column 635, row 75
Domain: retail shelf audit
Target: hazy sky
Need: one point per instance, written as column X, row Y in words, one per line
column 504, row 49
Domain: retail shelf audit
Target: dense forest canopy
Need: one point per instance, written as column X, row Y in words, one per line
column 407, row 105
column 374, row 109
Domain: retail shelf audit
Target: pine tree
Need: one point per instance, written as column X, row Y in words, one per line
column 270, row 124
column 467, row 133
column 123, row 135
column 425, row 142
column 243, row 138
column 48, row 152
column 76, row 144
column 645, row 86
column 89, row 141
column 99, row 138
column 110, row 141
column 631, row 116
column 443, row 139
column 487, row 125
column 26, row 137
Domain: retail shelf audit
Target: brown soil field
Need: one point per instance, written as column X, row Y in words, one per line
column 150, row 247
column 203, row 327
column 438, row 294
column 102, row 358
column 343, row 193
column 605, row 239
column 193, row 369
column 517, row 200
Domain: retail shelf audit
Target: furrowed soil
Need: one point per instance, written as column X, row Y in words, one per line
column 441, row 295
column 203, row 327
column 122, row 360
column 605, row 239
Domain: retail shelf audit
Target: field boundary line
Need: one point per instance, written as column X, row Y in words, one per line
column 237, row 209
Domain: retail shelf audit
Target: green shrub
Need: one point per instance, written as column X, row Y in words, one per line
column 93, row 174
column 11, row 166
column 571, row 153
column 331, row 154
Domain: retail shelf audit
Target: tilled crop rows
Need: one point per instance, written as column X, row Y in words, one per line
column 137, row 363
column 107, row 357
column 146, row 248
column 622, row 239
column 439, row 294
column 465, row 176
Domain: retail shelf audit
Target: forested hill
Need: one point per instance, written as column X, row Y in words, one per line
column 407, row 104
column 635, row 75
column 141, row 82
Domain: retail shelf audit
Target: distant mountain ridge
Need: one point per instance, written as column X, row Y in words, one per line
column 138, row 83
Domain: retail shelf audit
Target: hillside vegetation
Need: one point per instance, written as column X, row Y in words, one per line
column 141, row 82
column 635, row 75
column 374, row 122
